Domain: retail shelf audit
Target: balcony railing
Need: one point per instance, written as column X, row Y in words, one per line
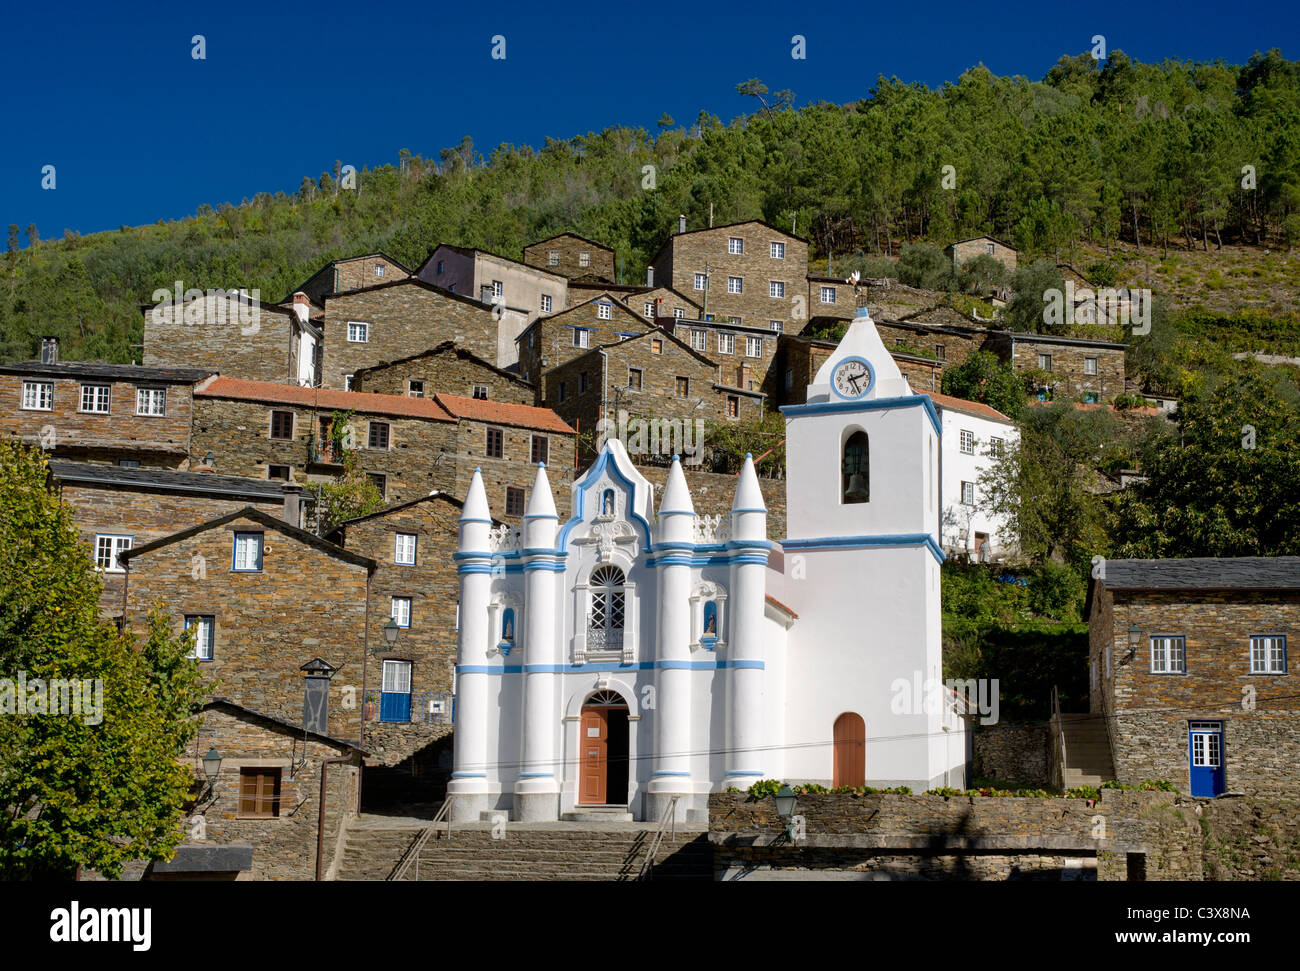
column 414, row 707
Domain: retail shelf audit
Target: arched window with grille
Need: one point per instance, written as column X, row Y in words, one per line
column 855, row 471
column 608, row 609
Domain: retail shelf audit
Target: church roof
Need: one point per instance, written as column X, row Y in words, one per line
column 976, row 408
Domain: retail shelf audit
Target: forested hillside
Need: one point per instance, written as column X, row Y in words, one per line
column 1176, row 156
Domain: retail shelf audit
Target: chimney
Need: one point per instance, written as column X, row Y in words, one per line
column 681, row 223
column 49, row 350
column 649, row 276
column 301, row 306
column 742, row 376
column 293, row 504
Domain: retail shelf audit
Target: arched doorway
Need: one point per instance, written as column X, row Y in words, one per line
column 850, row 750
column 603, row 748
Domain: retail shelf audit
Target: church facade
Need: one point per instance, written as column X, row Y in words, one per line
column 639, row 657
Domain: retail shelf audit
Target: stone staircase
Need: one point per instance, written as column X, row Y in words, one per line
column 611, row 851
column 1087, row 750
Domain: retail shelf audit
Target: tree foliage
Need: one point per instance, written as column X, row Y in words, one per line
column 75, row 789
column 984, row 377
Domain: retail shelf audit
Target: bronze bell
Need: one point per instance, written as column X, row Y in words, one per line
column 857, row 490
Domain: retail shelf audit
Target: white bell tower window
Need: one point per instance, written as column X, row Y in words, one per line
column 855, row 470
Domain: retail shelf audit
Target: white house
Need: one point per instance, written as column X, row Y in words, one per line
column 973, row 436
column 630, row 662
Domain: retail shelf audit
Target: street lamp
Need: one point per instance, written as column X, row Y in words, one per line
column 785, row 803
column 212, row 767
column 1134, row 635
column 390, row 631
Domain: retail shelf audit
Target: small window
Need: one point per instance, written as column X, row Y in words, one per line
column 514, row 501
column 775, row 288
column 552, row 258
column 700, row 340
column 415, row 389
column 442, row 267
column 546, row 309
column 358, row 333
column 581, row 337
column 995, row 446
column 561, row 391
column 452, row 288
column 1090, row 397
column 733, row 406
column 967, row 442
column 481, row 392
column 776, row 326
column 38, row 395
column 380, row 483
column 540, row 451
column 248, row 552
column 683, row 387
column 282, row 425
column 278, row 472
column 379, row 269
column 1044, row 362
column 1168, row 655
column 404, row 549
column 753, row 347
column 990, row 248
column 679, row 312
column 378, row 435
column 735, row 284
column 789, row 378
column 726, row 343
column 828, row 294
column 604, row 311
column 1089, row 365
column 656, row 345
column 347, row 382
column 584, row 259
column 400, row 610
column 650, row 309
column 968, row 493
column 498, row 290
column 582, row 382
column 940, row 352
column 107, row 547
column 94, row 398
column 495, row 443
column 204, row 627
column 128, row 463
column 735, row 246
column 634, row 378
column 151, row 401
column 259, row 793
column 1268, row 654
column 776, row 251
column 701, row 281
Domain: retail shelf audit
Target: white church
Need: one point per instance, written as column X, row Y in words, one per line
column 638, row 657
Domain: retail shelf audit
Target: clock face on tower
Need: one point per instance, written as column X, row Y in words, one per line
column 853, row 378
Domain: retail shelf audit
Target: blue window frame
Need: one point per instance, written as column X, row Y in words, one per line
column 507, row 643
column 710, row 635
column 204, row 636
column 248, row 553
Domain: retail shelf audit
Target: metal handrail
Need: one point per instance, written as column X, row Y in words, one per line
column 1060, row 732
column 413, row 854
column 669, row 818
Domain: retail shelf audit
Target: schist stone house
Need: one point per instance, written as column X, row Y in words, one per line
column 445, row 368
column 354, row 273
column 1069, row 367
column 1189, row 670
column 649, row 301
column 100, row 412
column 965, row 250
column 761, row 662
column 573, row 256
column 556, row 338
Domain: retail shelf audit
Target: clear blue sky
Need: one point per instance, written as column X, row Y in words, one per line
column 138, row 130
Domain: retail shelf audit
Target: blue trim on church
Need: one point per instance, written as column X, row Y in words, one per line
column 851, row 542
column 609, row 667
column 587, row 483
column 842, row 407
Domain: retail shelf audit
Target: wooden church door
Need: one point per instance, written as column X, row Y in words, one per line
column 594, row 744
column 850, row 750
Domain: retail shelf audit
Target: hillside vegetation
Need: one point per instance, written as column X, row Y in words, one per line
column 1145, row 165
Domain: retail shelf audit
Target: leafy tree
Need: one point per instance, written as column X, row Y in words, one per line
column 1044, row 484
column 981, row 274
column 764, row 439
column 986, row 378
column 1227, row 485
column 1031, row 284
column 924, row 265
column 104, row 786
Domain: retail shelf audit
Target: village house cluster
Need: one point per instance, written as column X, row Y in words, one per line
column 196, row 479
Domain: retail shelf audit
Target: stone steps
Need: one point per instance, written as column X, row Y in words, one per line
column 1087, row 750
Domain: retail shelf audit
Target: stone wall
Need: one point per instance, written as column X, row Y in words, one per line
column 568, row 250
column 1149, row 713
column 962, row 837
column 515, row 469
column 550, row 342
column 1011, row 753
column 145, row 515
column 712, row 494
column 304, row 602
column 447, row 370
column 223, row 335
column 161, row 441
column 1068, row 377
column 351, row 275
column 403, row 319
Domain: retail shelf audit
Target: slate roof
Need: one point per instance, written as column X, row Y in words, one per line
column 297, row 729
column 114, row 372
column 551, row 239
column 444, row 348
column 166, row 480
column 1205, row 573
column 1027, row 338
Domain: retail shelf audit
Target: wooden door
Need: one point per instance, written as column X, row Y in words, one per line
column 593, row 743
column 850, row 750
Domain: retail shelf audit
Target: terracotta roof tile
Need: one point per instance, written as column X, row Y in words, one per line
column 326, row 398
column 503, row 413
column 976, row 408
column 780, row 606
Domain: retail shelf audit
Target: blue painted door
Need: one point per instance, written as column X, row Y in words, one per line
column 1205, row 754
